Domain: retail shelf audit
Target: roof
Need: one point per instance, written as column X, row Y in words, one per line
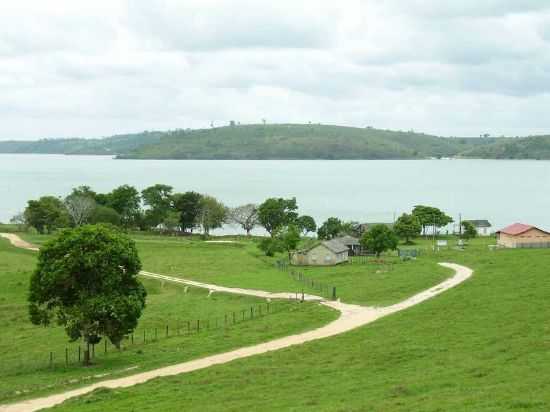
column 335, row 246
column 347, row 240
column 479, row 223
column 518, row 229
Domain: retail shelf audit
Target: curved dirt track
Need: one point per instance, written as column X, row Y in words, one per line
column 351, row 317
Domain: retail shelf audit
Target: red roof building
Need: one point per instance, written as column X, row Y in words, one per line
column 520, row 235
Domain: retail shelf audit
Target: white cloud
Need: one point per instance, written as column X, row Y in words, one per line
column 97, row 68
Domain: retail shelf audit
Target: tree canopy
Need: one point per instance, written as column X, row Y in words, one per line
column 213, row 214
column 330, row 229
column 378, row 239
column 306, row 224
column 275, row 213
column 188, row 205
column 407, row 227
column 468, row 230
column 246, row 216
column 46, row 214
column 86, row 280
column 429, row 216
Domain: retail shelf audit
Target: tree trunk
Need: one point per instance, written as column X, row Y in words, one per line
column 87, row 354
column 248, row 232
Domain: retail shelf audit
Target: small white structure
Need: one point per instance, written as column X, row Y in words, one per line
column 483, row 227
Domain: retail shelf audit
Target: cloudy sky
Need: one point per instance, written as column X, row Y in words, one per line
column 96, row 68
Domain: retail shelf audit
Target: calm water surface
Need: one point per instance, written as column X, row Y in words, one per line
column 362, row 190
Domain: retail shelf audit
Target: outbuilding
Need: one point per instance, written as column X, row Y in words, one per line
column 520, row 235
column 483, row 227
column 327, row 253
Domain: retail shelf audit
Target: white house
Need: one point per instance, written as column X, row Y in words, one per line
column 483, row 227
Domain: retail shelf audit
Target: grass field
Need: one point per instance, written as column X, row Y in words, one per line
column 25, row 348
column 483, row 346
column 243, row 265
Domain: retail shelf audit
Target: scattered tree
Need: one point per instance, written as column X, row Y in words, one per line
column 19, row 220
column 188, row 204
column 289, row 238
column 80, row 208
column 407, row 227
column 330, row 229
column 430, row 217
column 246, row 216
column 378, row 239
column 275, row 213
column 306, row 224
column 213, row 214
column 105, row 214
column 158, row 199
column 46, row 214
column 270, row 246
column 126, row 201
column 468, row 230
column 86, row 280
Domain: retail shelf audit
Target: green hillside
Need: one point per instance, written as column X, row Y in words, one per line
column 288, row 141
column 297, row 141
column 533, row 147
column 113, row 145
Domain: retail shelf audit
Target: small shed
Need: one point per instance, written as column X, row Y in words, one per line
column 483, row 227
column 327, row 253
column 520, row 235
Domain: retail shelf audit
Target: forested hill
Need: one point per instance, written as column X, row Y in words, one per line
column 113, row 145
column 295, row 141
column 289, row 141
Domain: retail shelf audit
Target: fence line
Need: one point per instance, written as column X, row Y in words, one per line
column 322, row 288
column 75, row 355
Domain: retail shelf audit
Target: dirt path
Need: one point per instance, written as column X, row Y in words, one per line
column 18, row 242
column 351, row 317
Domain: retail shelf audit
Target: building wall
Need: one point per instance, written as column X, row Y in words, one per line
column 483, row 231
column 531, row 238
column 319, row 256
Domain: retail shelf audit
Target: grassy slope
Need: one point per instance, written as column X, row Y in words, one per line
column 24, row 348
column 482, row 346
column 243, row 265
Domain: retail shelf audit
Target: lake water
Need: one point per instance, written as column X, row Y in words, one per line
column 368, row 191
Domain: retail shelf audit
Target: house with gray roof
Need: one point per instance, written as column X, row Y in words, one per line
column 483, row 227
column 326, row 253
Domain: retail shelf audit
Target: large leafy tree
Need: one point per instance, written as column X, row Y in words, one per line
column 125, row 200
column 306, row 224
column 86, row 280
column 276, row 213
column 188, row 205
column 407, row 227
column 378, row 239
column 429, row 216
column 246, row 216
column 330, row 229
column 213, row 214
column 46, row 214
column 158, row 199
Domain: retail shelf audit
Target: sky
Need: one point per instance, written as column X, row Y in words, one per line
column 98, row 68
